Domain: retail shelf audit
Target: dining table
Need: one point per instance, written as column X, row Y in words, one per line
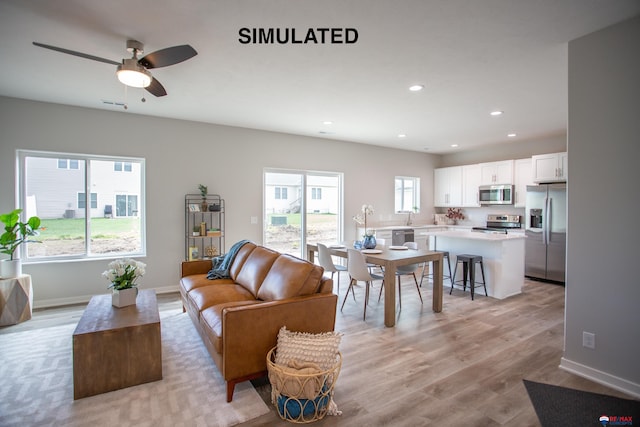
column 390, row 258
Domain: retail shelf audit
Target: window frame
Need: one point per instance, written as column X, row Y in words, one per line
column 91, row 200
column 415, row 196
column 21, row 202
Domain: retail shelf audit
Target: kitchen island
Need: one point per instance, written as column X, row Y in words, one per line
column 503, row 257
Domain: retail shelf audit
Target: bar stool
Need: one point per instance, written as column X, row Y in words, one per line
column 469, row 268
column 445, row 254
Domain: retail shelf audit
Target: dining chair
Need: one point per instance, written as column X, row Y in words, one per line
column 358, row 272
column 326, row 262
column 405, row 270
column 379, row 242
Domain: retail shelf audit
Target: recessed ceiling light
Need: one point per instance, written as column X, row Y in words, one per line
column 416, row 88
column 327, row 122
column 402, row 135
column 454, row 145
column 496, row 113
column 511, row 135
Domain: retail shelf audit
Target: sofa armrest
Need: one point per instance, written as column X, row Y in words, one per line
column 250, row 331
column 201, row 266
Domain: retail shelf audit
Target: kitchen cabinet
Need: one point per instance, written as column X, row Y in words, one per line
column 496, row 172
column 471, row 179
column 448, row 186
column 549, row 167
column 522, row 176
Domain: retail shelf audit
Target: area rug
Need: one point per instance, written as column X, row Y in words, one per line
column 36, row 385
column 560, row 406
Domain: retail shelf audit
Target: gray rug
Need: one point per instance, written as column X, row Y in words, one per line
column 36, row 385
column 560, row 406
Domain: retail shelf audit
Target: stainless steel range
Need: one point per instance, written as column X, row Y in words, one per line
column 500, row 224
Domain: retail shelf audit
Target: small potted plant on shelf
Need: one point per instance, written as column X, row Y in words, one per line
column 203, row 192
column 123, row 274
column 15, row 233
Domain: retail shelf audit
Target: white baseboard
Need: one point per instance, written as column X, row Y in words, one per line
column 84, row 299
column 600, row 377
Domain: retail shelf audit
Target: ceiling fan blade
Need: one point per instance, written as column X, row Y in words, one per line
column 74, row 53
column 155, row 88
column 168, row 56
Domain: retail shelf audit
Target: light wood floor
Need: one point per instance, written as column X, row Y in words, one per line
column 463, row 366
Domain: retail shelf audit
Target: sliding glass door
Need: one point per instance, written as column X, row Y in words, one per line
column 301, row 207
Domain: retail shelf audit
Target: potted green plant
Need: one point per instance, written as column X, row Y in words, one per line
column 15, row 233
column 203, row 192
column 123, row 274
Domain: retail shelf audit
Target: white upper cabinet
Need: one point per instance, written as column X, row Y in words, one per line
column 497, row 172
column 447, row 186
column 549, row 167
column 523, row 176
column 471, row 179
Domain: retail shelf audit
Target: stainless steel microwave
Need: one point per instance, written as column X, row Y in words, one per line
column 495, row 194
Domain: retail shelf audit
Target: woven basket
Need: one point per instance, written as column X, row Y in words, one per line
column 298, row 406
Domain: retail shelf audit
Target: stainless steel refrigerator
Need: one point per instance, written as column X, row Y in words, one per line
column 546, row 231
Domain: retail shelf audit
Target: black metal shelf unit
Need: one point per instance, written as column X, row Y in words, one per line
column 203, row 226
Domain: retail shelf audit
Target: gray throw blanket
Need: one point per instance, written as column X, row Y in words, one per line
column 221, row 264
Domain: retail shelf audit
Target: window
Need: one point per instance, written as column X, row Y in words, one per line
column 312, row 214
column 407, row 194
column 122, row 166
column 68, row 164
column 82, row 200
column 281, row 193
column 54, row 187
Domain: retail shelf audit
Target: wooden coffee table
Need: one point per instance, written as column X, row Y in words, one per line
column 114, row 348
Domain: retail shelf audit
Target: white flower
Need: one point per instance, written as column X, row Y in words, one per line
column 123, row 273
column 367, row 209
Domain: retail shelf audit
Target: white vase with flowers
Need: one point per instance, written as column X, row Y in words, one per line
column 123, row 275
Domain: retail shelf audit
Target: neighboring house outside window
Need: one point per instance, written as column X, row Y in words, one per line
column 53, row 187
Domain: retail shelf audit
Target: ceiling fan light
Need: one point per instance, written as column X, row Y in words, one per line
column 132, row 74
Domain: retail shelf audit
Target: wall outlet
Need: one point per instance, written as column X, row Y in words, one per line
column 589, row 340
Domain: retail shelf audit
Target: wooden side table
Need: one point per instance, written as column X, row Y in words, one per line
column 16, row 300
column 114, row 348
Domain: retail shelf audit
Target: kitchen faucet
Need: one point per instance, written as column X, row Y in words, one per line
column 409, row 219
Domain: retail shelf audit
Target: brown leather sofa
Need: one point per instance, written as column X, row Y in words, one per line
column 239, row 318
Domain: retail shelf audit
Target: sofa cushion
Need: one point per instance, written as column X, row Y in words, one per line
column 289, row 277
column 218, row 293
column 211, row 320
column 189, row 283
column 255, row 268
column 240, row 259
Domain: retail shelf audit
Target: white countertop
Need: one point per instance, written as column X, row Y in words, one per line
column 473, row 235
column 420, row 227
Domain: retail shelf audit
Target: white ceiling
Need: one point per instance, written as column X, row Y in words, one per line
column 473, row 56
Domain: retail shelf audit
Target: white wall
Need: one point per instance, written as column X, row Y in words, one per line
column 603, row 276
column 180, row 155
column 517, row 149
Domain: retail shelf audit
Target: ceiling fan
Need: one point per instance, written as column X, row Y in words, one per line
column 135, row 72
